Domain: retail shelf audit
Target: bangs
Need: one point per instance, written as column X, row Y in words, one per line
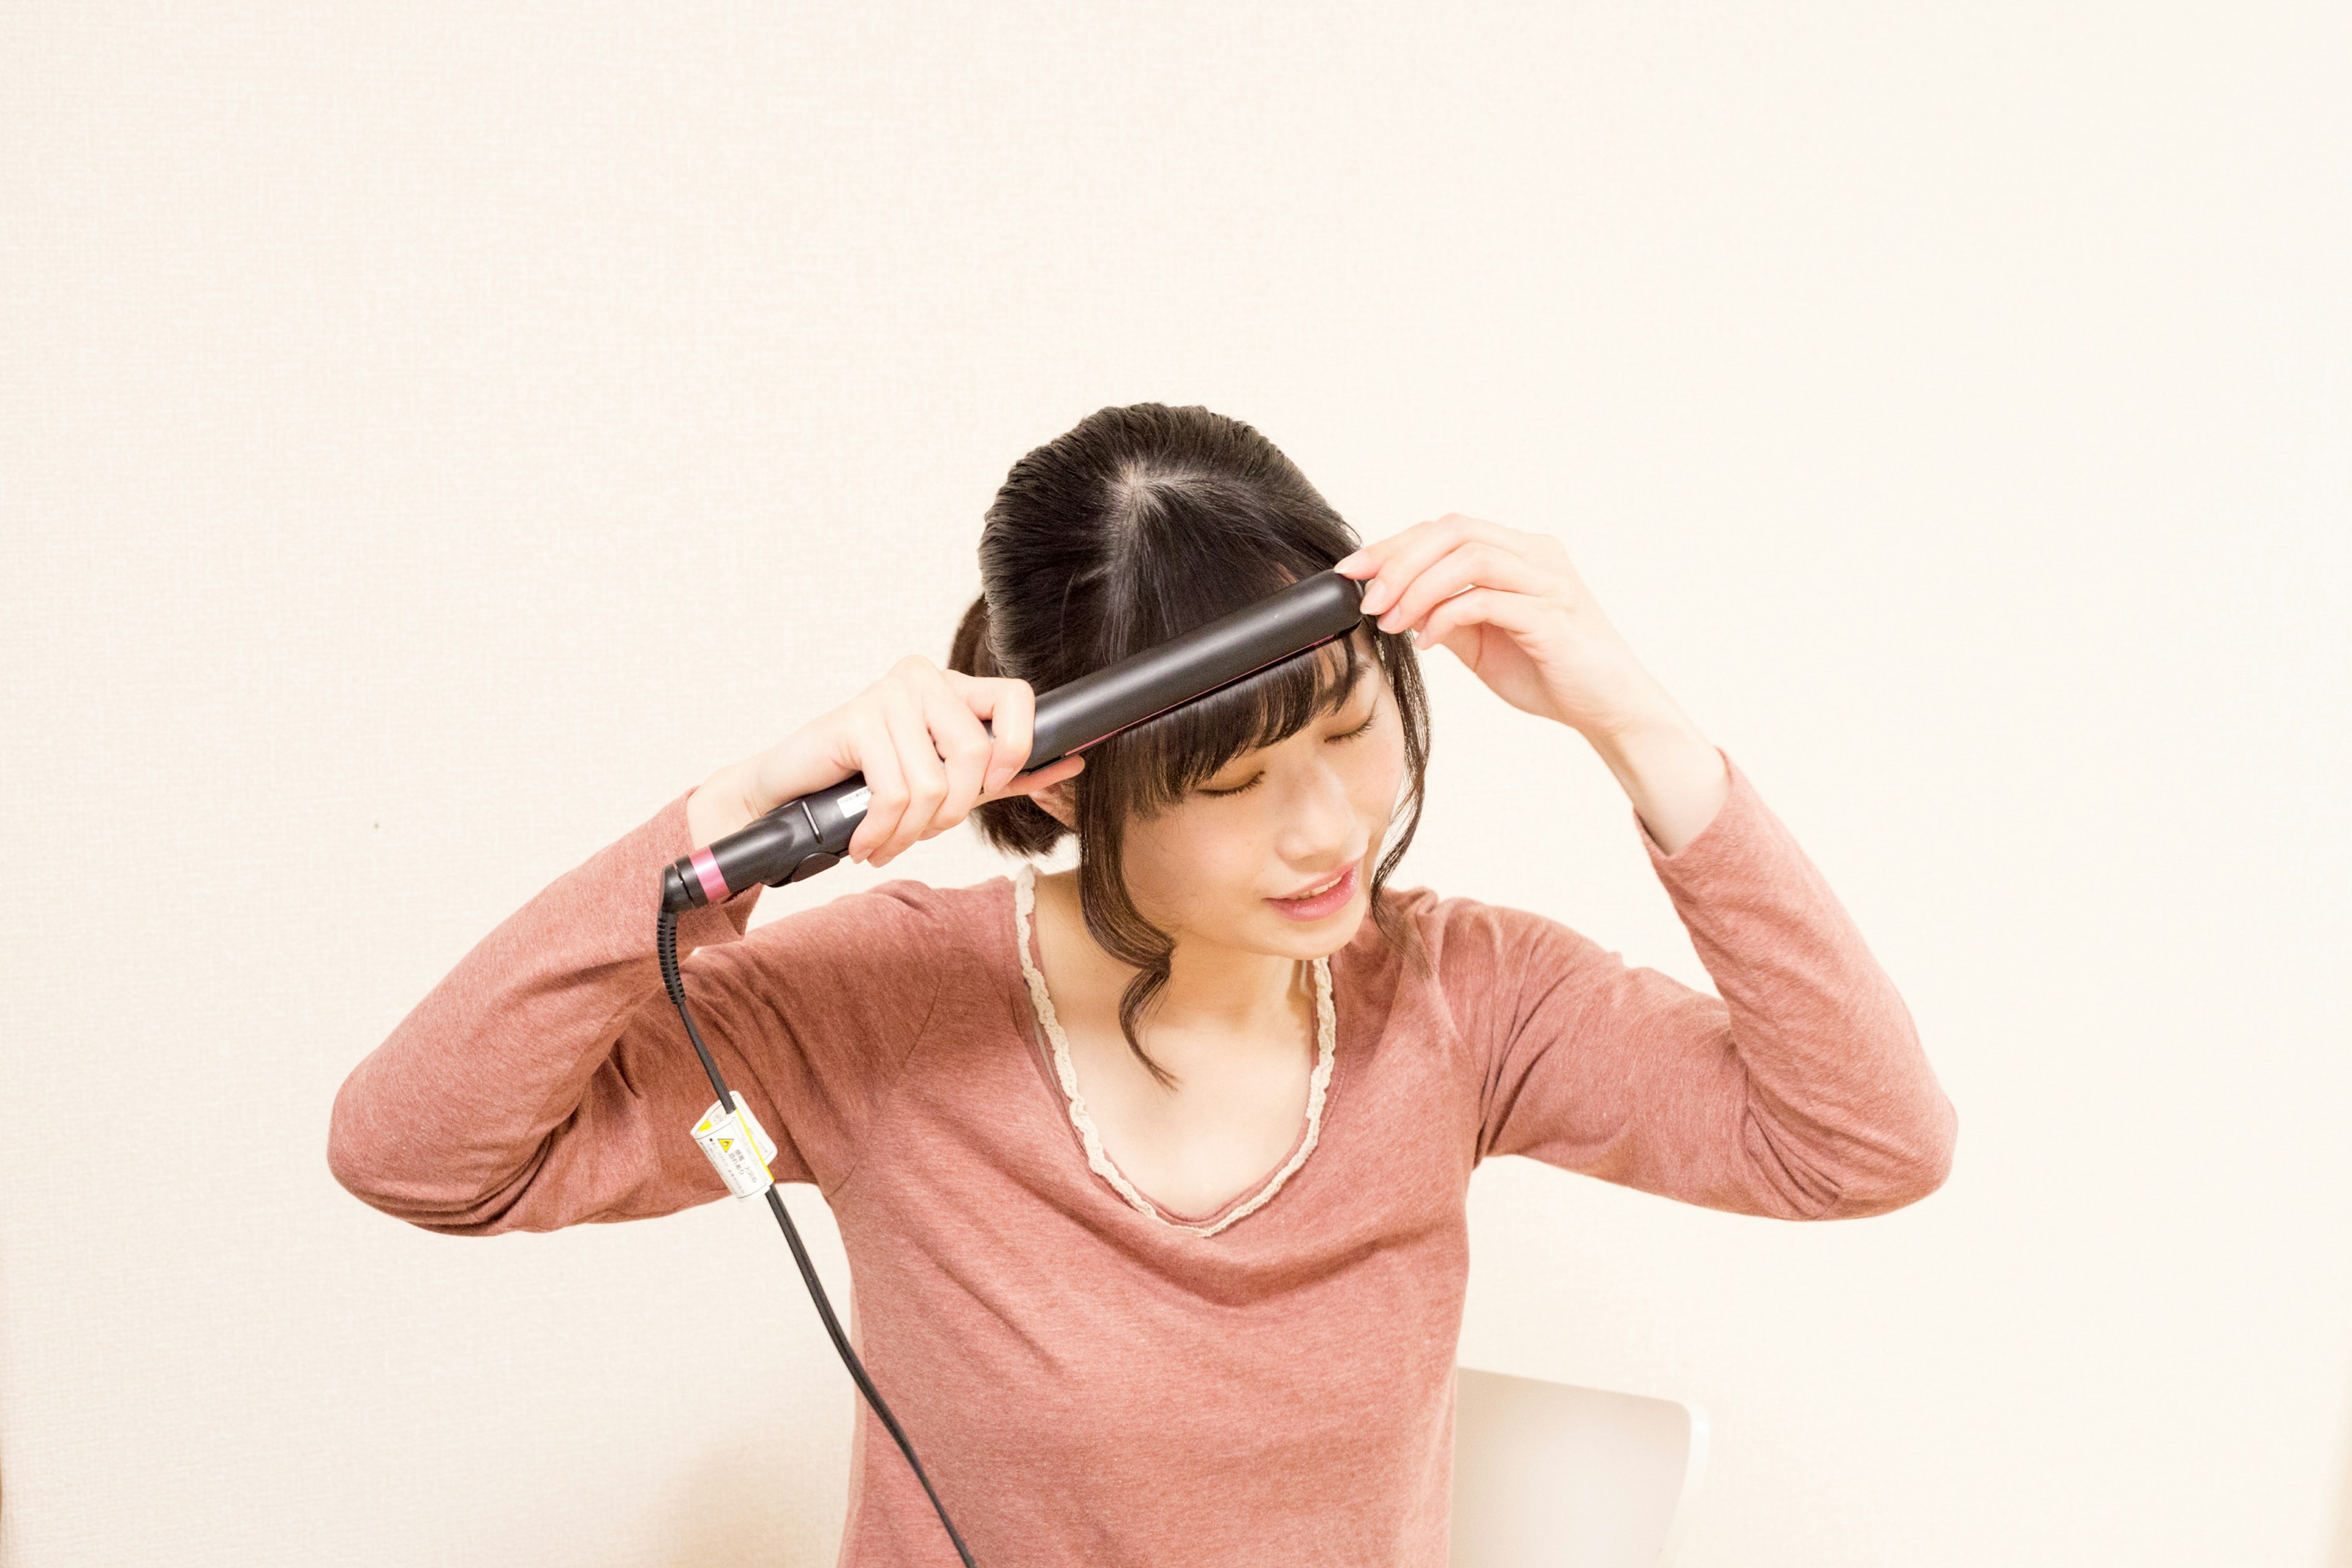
column 1167, row 755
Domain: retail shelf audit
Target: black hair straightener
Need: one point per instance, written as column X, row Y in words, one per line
column 811, row 833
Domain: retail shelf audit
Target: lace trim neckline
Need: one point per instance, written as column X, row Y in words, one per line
column 1024, row 899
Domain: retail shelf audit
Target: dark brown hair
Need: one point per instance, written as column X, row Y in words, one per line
column 1135, row 526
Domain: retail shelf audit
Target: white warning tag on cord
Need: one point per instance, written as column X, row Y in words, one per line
column 740, row 1157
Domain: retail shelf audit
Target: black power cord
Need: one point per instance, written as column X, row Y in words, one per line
column 811, row 833
column 665, row 943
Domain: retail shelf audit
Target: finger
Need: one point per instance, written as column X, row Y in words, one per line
column 1420, row 546
column 965, row 746
column 1477, row 606
column 1367, row 559
column 892, row 802
column 1010, row 706
column 1052, row 773
column 1476, row 563
column 877, row 759
column 926, row 776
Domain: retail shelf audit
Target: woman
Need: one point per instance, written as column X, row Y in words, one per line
column 1152, row 1173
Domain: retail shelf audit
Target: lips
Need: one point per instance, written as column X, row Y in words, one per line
column 1325, row 885
column 1337, row 894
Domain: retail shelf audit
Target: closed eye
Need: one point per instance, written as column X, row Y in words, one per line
column 1360, row 729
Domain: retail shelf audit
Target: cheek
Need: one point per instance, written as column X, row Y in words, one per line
column 1380, row 780
column 1188, row 857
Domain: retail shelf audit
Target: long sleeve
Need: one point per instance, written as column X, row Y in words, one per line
column 547, row 1081
column 1801, row 1093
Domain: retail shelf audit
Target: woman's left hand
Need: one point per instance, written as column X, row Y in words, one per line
column 1511, row 608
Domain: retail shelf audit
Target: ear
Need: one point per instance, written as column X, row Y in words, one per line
column 1055, row 801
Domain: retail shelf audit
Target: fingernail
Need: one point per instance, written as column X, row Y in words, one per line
column 1345, row 563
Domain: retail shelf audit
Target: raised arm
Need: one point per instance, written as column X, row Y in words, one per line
column 548, row 1079
column 534, row 1086
column 1801, row 1093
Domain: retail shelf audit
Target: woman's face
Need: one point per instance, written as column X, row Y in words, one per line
column 1215, row 868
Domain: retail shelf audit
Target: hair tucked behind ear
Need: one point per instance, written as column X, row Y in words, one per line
column 1137, row 524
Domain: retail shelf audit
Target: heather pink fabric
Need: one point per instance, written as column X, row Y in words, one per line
column 1086, row 1384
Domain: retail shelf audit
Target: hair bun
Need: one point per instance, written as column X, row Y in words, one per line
column 969, row 652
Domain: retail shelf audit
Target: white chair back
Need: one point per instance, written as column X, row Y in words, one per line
column 1548, row 1475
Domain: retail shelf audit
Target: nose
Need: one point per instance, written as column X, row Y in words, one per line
column 1320, row 829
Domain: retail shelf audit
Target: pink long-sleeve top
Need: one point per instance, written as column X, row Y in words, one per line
column 1092, row 1383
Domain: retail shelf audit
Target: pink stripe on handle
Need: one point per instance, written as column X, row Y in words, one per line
column 706, row 872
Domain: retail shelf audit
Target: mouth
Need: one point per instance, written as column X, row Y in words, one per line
column 1327, row 898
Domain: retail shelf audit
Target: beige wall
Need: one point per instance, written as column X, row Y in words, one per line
column 431, row 439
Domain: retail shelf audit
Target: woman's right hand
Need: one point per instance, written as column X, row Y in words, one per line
column 917, row 736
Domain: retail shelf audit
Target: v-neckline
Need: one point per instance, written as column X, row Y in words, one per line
column 1064, row 1080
